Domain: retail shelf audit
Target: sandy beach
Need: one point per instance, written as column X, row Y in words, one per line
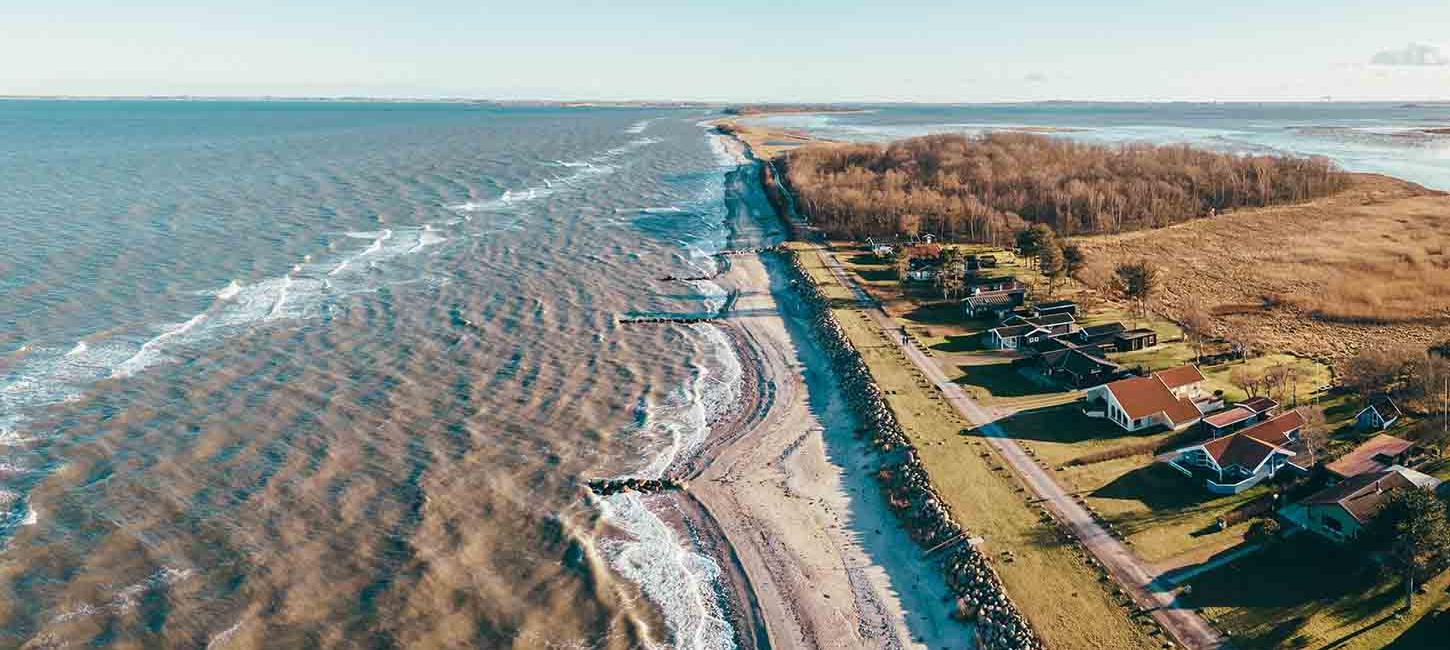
column 794, row 496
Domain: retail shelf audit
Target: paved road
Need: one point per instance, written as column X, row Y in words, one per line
column 1137, row 578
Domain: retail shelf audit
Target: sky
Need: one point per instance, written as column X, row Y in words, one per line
column 740, row 51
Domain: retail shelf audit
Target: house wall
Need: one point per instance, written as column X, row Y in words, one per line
column 1321, row 519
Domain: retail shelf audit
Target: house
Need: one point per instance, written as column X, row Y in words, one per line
column 1067, row 307
column 1136, row 339
column 1008, row 337
column 1241, row 460
column 1339, row 512
column 977, row 285
column 1378, row 416
column 1017, row 332
column 1374, row 455
column 1079, row 367
column 1184, row 381
column 1055, row 323
column 1238, row 416
column 1098, row 334
column 922, row 269
column 883, row 250
column 984, row 261
column 1164, row 398
column 995, row 303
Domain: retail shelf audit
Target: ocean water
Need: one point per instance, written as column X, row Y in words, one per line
column 1379, row 137
column 289, row 374
column 305, row 374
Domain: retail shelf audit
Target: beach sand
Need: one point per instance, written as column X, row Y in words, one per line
column 792, row 492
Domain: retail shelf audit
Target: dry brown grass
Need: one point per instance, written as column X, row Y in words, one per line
column 1367, row 267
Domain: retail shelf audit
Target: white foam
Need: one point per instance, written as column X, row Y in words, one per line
column 229, row 291
column 220, row 639
column 79, row 349
column 638, row 127
column 680, row 581
column 598, row 165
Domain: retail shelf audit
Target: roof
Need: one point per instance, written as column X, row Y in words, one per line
column 923, row 263
column 1004, row 297
column 1015, row 320
column 1005, row 279
column 1010, row 331
column 1183, row 410
column 1233, row 415
column 1276, row 430
column 1384, row 406
column 1055, row 304
column 1240, row 450
column 1365, row 458
column 1259, row 404
column 1141, row 397
column 1180, row 376
column 1081, row 363
column 1361, row 496
column 1100, row 330
column 1136, row 333
column 1052, row 319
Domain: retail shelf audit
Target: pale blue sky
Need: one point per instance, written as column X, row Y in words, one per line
column 745, row 50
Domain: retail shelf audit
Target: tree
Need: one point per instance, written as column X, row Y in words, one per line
column 1197, row 326
column 1032, row 240
column 902, row 266
column 1052, row 263
column 1136, row 282
column 1379, row 370
column 1315, row 433
column 1073, row 259
column 1414, row 531
column 951, row 277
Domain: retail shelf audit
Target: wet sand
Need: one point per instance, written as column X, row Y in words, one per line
column 792, row 493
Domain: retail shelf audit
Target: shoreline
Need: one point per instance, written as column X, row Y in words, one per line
column 783, row 494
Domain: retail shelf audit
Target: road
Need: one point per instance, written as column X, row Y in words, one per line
column 1186, row 626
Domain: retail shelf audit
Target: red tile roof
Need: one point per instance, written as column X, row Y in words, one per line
column 1362, row 460
column 1232, row 416
column 1275, row 430
column 1240, row 450
column 1180, row 376
column 1141, row 397
column 1259, row 404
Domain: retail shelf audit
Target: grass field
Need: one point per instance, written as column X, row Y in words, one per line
column 1303, row 592
column 1049, row 580
column 1321, row 279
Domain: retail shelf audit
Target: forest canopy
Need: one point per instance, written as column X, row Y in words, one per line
column 986, row 188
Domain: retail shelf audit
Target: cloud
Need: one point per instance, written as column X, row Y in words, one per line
column 1036, row 77
column 1412, row 54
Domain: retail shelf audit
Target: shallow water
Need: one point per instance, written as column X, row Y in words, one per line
column 283, row 374
column 1379, row 137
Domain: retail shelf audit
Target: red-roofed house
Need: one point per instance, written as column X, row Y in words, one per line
column 1376, row 454
column 1237, row 462
column 1164, row 398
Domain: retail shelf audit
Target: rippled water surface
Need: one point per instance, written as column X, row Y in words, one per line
column 324, row 374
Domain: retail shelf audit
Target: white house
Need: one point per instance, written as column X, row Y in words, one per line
column 1239, row 461
column 1164, row 398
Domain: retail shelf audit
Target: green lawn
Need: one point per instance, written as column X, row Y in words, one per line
column 1304, row 592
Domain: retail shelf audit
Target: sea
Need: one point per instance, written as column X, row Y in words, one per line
column 335, row 374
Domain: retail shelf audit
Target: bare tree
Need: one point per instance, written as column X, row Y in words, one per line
column 1136, row 282
column 1198, row 327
